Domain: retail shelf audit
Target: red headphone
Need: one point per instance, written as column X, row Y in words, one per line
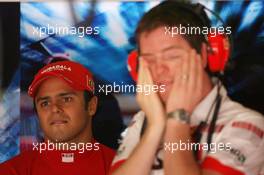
column 220, row 47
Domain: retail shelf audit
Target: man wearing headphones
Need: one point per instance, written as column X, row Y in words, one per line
column 193, row 127
column 63, row 94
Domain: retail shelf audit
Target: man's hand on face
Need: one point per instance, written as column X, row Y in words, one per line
column 149, row 103
column 187, row 88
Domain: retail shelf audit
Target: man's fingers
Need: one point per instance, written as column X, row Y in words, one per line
column 140, row 78
column 199, row 79
column 149, row 79
column 145, row 72
column 185, row 70
column 144, row 78
column 192, row 71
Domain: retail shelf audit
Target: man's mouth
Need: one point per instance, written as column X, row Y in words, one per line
column 58, row 122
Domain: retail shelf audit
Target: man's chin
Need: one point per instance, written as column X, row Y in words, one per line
column 57, row 138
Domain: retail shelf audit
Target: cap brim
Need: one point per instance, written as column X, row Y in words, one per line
column 36, row 83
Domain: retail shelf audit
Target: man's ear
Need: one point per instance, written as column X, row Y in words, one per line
column 92, row 106
column 204, row 54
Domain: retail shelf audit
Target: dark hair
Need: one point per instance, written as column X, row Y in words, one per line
column 88, row 95
column 174, row 14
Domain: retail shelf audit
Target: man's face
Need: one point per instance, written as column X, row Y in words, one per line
column 61, row 111
column 164, row 55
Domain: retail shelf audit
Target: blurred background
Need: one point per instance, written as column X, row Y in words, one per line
column 9, row 80
column 23, row 51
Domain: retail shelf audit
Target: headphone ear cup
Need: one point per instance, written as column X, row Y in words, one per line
column 132, row 64
column 219, row 54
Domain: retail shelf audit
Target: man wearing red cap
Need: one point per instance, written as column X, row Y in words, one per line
column 63, row 94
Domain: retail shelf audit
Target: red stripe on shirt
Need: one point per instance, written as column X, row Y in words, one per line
column 249, row 127
column 213, row 164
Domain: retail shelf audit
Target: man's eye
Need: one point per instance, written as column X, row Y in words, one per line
column 67, row 99
column 172, row 57
column 44, row 104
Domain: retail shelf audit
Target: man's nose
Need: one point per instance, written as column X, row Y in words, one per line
column 160, row 67
column 56, row 108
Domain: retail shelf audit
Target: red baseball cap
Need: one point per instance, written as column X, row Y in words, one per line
column 75, row 74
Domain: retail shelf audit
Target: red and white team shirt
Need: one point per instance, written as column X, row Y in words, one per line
column 237, row 126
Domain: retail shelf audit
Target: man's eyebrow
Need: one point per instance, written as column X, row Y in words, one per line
column 171, row 47
column 66, row 94
column 165, row 49
column 59, row 95
column 42, row 98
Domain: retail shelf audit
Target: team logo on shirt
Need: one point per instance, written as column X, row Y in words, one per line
column 239, row 156
column 67, row 157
